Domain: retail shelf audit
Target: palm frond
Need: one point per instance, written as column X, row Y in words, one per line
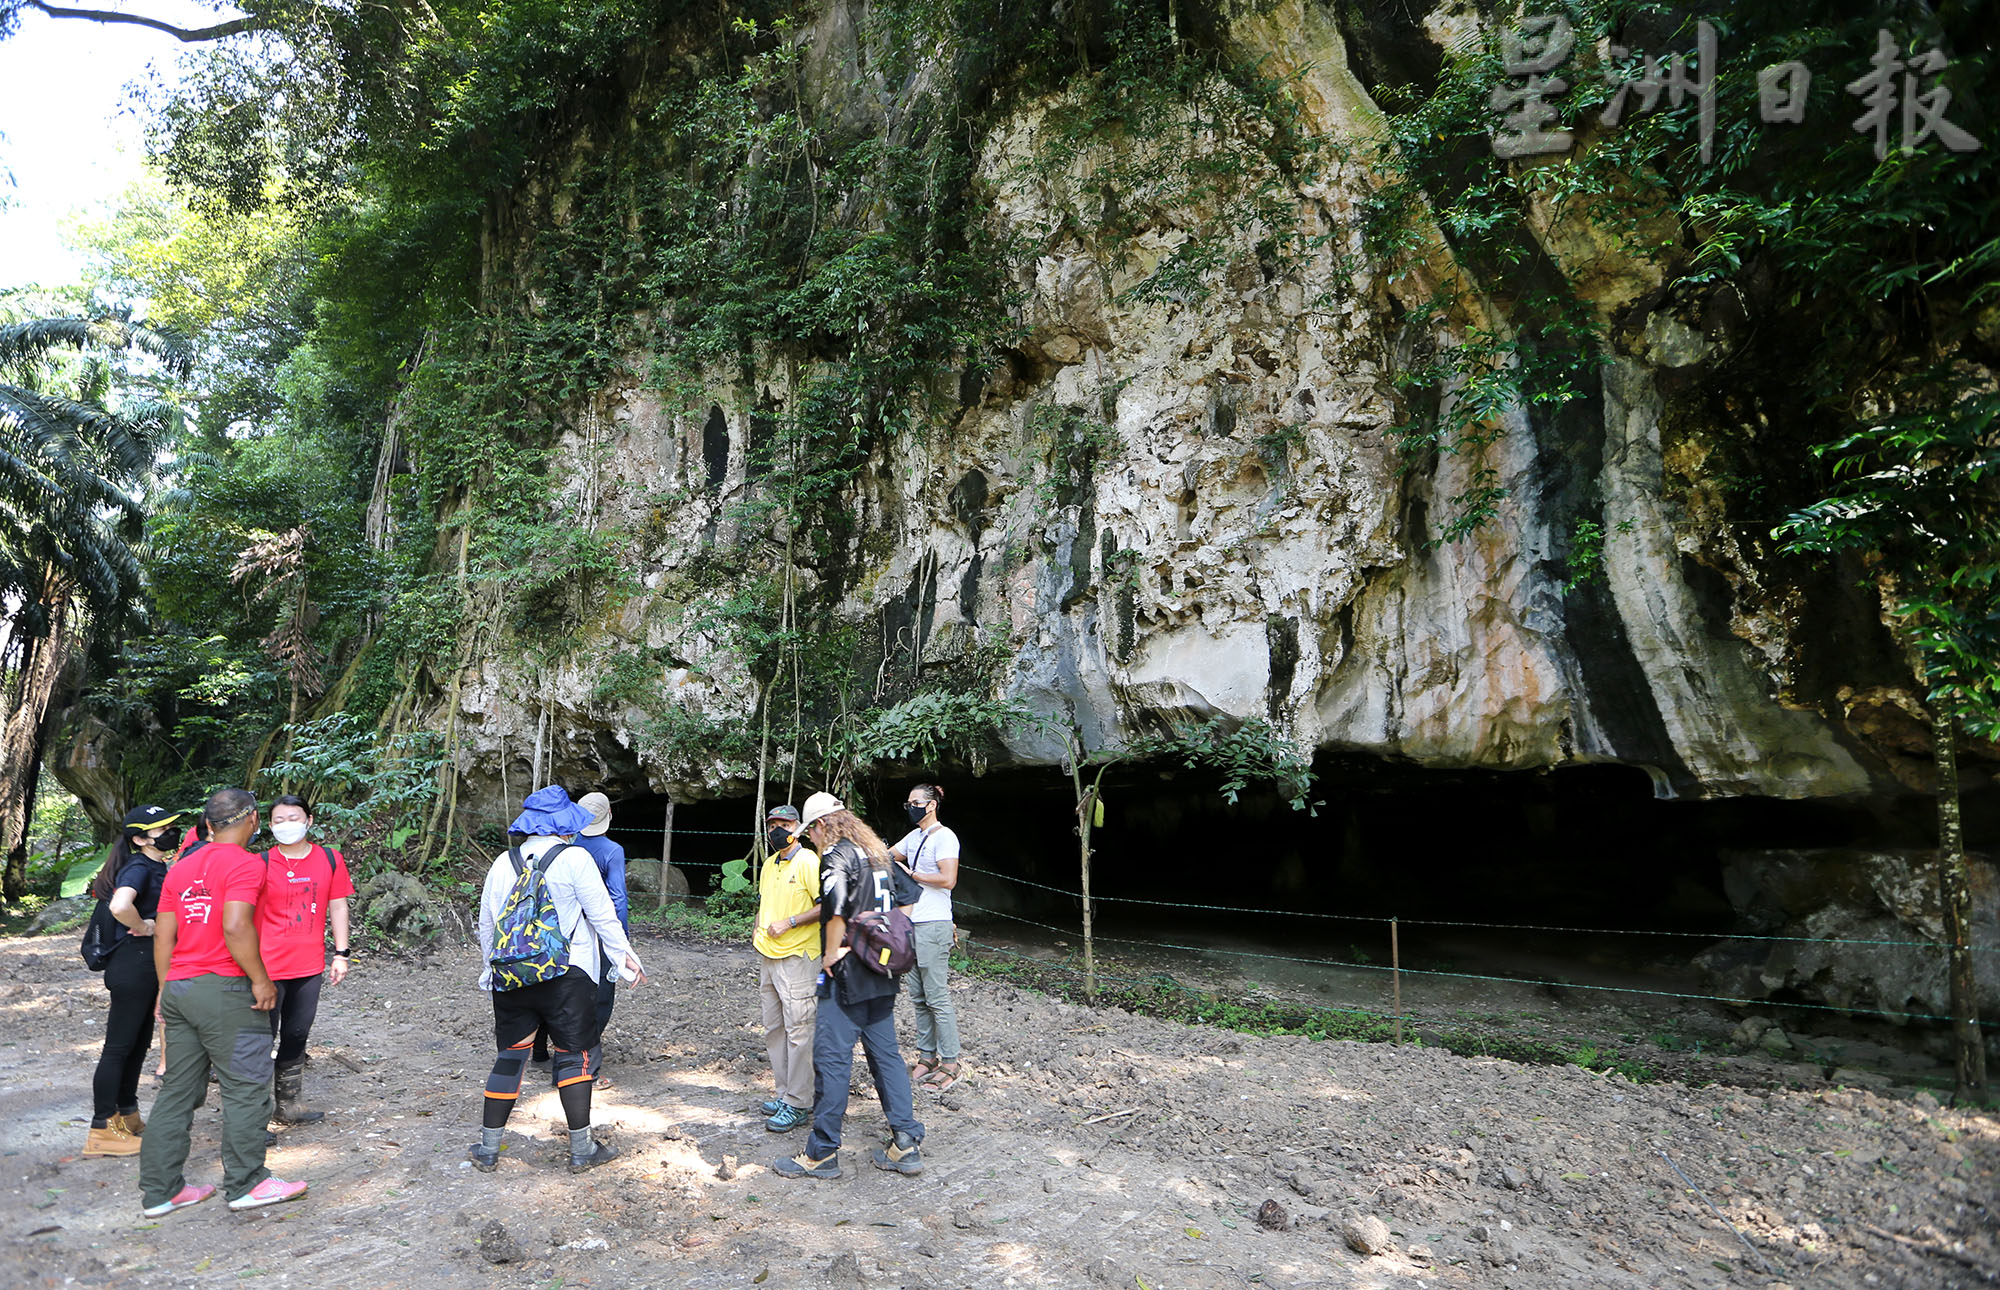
column 32, row 342
column 66, row 427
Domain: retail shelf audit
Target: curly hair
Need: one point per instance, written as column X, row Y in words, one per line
column 846, row 826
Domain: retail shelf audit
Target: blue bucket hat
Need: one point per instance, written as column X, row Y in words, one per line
column 549, row 811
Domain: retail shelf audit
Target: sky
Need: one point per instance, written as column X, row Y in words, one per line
column 69, row 140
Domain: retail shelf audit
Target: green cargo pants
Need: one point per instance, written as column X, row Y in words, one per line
column 209, row 1021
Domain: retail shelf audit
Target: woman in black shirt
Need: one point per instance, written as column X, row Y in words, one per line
column 129, row 883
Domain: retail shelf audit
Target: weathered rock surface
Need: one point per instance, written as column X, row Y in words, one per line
column 59, row 912
column 1247, row 543
column 1873, row 932
column 397, row 908
column 642, row 877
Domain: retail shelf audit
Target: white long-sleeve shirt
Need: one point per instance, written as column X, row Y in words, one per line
column 583, row 906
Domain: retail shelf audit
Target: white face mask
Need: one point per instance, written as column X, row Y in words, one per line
column 289, row 832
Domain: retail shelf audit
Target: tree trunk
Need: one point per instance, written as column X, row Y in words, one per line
column 17, row 853
column 26, row 733
column 1955, row 890
column 1086, row 811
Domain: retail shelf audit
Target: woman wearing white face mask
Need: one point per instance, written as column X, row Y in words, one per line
column 305, row 886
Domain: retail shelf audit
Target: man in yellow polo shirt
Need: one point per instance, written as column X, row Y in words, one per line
column 787, row 940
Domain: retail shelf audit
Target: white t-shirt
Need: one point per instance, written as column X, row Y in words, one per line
column 922, row 851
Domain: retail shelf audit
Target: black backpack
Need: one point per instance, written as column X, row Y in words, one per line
column 101, row 936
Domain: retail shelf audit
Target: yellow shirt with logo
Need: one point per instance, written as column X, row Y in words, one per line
column 784, row 889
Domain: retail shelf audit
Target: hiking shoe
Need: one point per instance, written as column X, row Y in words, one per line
column 771, row 1107
column 272, row 1191
column 786, row 1118
column 900, row 1154
column 604, row 1153
column 192, row 1194
column 804, row 1166
column 112, row 1140
column 134, row 1124
column 483, row 1160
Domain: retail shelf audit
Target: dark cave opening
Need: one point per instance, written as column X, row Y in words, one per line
column 1490, row 874
column 1585, row 846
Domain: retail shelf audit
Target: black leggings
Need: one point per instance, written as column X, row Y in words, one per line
column 292, row 1019
column 128, row 1032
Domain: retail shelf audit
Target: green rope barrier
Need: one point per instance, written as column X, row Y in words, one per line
column 1504, row 927
column 1474, row 976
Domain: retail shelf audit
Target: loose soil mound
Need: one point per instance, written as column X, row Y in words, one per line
column 1090, row 1148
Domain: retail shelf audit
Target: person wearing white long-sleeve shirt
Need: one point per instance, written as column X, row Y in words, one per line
column 566, row 1004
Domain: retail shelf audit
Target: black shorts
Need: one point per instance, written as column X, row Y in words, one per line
column 567, row 1005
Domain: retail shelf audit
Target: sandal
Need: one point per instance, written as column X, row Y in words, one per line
column 922, row 1069
column 944, row 1076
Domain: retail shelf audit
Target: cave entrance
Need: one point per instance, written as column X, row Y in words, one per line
column 1587, row 847
column 707, row 834
column 1573, row 895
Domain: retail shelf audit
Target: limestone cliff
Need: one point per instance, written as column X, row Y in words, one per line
column 1239, row 535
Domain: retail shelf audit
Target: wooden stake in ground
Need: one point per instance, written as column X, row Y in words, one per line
column 666, row 850
column 1396, row 976
column 1955, row 893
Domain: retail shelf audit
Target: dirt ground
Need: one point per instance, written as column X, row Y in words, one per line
column 1090, row 1148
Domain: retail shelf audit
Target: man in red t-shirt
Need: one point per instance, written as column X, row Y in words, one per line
column 213, row 1001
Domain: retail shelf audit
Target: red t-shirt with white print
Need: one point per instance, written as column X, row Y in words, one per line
column 197, row 889
column 291, row 914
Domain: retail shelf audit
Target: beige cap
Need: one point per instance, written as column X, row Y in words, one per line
column 599, row 807
column 818, row 807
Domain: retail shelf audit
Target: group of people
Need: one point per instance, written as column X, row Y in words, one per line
column 556, row 944
column 228, row 946
column 817, row 1003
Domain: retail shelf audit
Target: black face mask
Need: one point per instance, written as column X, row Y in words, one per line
column 167, row 841
column 917, row 811
column 778, row 839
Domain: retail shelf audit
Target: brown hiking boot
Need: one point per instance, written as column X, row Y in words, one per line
column 131, row 1122
column 111, row 1140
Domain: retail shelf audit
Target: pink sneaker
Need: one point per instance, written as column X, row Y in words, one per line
column 192, row 1194
column 271, row 1191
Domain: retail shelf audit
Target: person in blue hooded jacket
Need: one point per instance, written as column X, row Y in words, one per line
column 565, row 1004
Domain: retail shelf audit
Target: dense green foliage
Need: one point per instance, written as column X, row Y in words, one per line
column 1823, row 277
column 432, row 257
column 80, row 427
column 420, row 285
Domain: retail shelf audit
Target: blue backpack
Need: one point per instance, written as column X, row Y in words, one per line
column 529, row 944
